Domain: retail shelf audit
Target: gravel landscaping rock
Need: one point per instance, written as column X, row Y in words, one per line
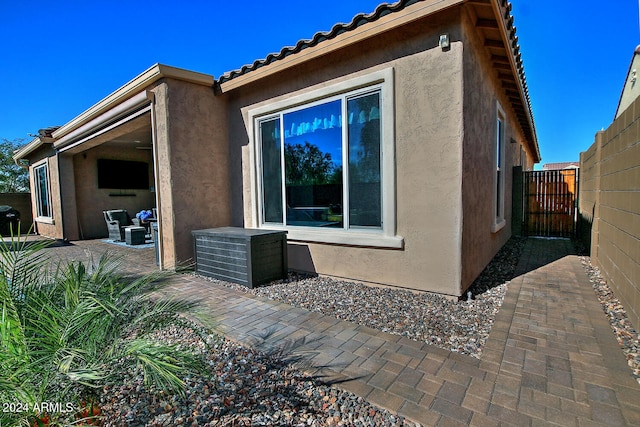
column 626, row 334
column 240, row 387
column 460, row 326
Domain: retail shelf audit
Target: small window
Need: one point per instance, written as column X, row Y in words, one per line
column 42, row 193
column 499, row 193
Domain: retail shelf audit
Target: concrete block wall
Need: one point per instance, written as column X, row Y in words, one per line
column 589, row 187
column 610, row 197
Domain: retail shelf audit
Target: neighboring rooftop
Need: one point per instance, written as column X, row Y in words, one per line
column 631, row 87
column 560, row 165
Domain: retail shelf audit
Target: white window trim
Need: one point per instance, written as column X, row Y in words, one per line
column 39, row 218
column 498, row 213
column 385, row 237
column 45, row 220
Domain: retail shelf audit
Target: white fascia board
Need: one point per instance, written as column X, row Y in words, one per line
column 133, row 87
column 27, row 149
column 122, row 109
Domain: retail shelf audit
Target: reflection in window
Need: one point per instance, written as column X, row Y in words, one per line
column 271, row 171
column 313, row 165
column 365, row 189
column 303, row 151
column 499, row 179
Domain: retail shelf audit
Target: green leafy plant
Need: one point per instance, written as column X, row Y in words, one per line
column 72, row 328
column 13, row 178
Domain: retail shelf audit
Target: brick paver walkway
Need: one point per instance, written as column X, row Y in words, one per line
column 551, row 357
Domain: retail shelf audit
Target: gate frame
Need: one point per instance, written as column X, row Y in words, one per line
column 520, row 208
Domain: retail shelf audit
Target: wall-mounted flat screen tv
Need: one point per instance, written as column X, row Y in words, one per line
column 123, row 174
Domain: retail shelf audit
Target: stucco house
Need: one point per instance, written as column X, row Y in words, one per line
column 384, row 147
column 631, row 88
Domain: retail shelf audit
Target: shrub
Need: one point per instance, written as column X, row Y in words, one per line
column 68, row 329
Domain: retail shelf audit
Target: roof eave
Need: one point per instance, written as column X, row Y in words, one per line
column 402, row 13
column 290, row 57
column 30, row 147
column 136, row 85
column 517, row 80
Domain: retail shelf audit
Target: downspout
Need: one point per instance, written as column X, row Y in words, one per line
column 152, row 97
column 26, row 167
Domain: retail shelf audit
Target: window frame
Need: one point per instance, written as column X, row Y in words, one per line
column 385, row 236
column 40, row 215
column 499, row 172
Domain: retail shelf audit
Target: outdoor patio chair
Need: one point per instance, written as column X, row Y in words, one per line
column 117, row 220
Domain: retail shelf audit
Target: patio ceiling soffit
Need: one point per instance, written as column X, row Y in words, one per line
column 112, row 118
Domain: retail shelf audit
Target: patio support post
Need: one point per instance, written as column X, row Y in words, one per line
column 152, row 97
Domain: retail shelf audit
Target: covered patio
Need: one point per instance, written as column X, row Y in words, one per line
column 112, row 170
column 134, row 150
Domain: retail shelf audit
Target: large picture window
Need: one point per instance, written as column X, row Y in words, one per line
column 43, row 200
column 304, row 153
column 325, row 167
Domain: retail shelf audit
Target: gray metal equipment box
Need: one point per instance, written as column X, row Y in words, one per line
column 249, row 257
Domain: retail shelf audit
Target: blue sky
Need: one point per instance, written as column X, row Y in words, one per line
column 59, row 58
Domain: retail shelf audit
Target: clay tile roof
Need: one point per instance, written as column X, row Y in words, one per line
column 359, row 20
column 517, row 90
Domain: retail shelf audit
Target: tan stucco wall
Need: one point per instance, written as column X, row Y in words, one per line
column 71, row 224
column 610, row 197
column 482, row 94
column 192, row 158
column 53, row 229
column 428, row 144
column 91, row 200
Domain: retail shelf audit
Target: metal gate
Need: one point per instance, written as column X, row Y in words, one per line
column 550, row 202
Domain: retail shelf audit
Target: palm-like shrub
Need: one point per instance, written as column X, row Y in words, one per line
column 71, row 328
